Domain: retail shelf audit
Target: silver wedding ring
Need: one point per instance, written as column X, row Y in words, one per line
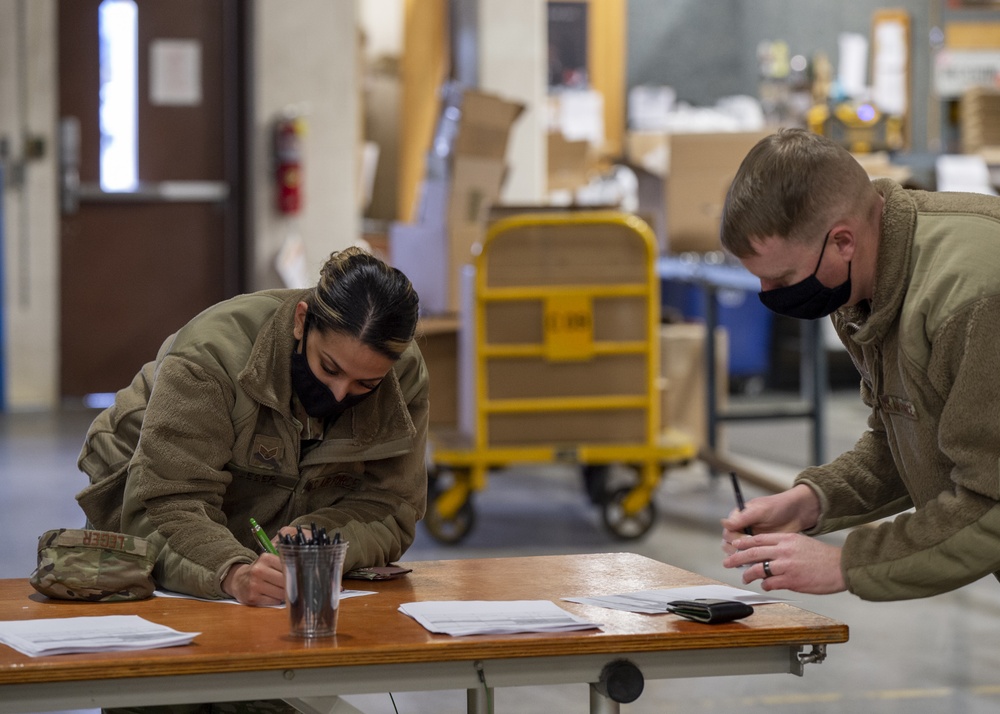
column 767, row 569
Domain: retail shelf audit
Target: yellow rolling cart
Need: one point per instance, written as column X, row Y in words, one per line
column 565, row 367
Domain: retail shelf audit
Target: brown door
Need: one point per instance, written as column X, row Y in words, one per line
column 136, row 264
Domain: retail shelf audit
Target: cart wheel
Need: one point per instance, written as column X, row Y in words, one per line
column 600, row 481
column 595, row 483
column 448, row 531
column 627, row 527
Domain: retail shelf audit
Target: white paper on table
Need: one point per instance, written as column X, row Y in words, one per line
column 654, row 602
column 493, row 617
column 344, row 594
column 108, row 633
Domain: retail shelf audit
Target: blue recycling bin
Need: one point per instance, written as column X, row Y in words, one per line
column 684, row 288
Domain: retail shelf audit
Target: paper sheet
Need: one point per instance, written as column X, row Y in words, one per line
column 344, row 594
column 493, row 617
column 37, row 638
column 654, row 602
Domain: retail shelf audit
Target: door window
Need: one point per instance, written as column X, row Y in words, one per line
column 118, row 22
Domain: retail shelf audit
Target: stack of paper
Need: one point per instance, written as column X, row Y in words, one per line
column 37, row 638
column 492, row 617
column 654, row 602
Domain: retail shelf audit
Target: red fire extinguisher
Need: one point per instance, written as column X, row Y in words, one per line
column 288, row 132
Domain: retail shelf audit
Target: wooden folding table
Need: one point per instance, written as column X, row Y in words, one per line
column 246, row 653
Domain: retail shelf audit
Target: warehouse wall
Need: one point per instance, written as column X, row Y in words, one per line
column 30, row 262
column 689, row 45
column 307, row 58
column 706, row 49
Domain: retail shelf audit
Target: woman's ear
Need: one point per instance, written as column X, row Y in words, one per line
column 299, row 325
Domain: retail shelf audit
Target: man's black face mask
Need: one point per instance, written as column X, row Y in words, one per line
column 808, row 299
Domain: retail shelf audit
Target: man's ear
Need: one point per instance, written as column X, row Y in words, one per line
column 845, row 240
column 301, row 310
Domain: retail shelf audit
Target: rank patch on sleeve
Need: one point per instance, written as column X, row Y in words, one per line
column 266, row 452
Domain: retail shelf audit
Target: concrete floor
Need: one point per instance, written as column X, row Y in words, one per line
column 935, row 655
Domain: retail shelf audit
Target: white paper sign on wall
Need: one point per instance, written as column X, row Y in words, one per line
column 175, row 72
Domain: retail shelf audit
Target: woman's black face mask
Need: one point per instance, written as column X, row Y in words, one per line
column 316, row 397
column 808, row 299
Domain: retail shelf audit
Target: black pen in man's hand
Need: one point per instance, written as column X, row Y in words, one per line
column 739, row 498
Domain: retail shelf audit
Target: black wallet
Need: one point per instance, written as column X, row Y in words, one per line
column 710, row 611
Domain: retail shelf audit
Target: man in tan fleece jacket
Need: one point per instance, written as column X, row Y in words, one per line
column 912, row 281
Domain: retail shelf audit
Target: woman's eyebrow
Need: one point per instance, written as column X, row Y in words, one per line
column 332, row 365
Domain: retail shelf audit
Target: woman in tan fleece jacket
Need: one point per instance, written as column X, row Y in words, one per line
column 292, row 407
column 912, row 281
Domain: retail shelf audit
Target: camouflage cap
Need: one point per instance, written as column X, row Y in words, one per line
column 99, row 566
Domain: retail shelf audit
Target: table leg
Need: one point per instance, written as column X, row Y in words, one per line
column 601, row 704
column 812, row 378
column 478, row 700
column 711, row 381
column 813, row 371
column 323, row 705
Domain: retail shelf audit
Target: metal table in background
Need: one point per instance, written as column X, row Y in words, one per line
column 713, row 278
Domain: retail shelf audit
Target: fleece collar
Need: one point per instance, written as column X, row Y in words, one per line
column 892, row 267
column 267, row 377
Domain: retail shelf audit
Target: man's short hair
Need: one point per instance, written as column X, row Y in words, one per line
column 792, row 184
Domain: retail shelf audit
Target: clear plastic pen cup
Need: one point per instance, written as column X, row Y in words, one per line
column 312, row 587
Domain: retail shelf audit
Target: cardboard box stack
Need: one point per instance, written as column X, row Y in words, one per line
column 569, row 162
column 685, row 390
column 702, row 165
column 575, row 142
column 980, row 120
column 438, row 342
column 465, row 173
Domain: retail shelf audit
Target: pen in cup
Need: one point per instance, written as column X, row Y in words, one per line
column 740, row 503
column 262, row 537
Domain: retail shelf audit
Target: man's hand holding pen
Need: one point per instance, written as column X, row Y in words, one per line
column 778, row 554
column 791, row 511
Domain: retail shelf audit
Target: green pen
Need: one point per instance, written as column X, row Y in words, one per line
column 262, row 537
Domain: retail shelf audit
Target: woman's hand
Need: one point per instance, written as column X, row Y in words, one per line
column 292, row 532
column 795, row 562
column 261, row 583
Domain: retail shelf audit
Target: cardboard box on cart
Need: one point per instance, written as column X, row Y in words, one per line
column 524, row 259
column 453, row 204
column 451, row 216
